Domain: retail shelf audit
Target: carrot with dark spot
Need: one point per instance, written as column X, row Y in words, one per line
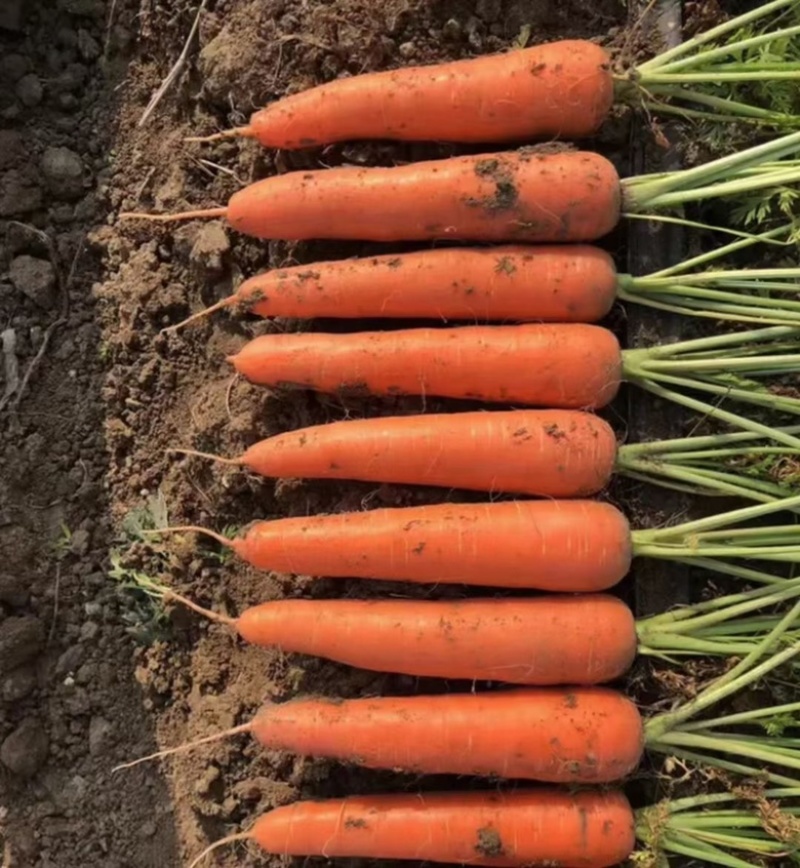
column 504, row 829
column 512, row 282
column 521, row 196
column 523, row 201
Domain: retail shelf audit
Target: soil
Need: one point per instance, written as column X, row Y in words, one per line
column 93, row 671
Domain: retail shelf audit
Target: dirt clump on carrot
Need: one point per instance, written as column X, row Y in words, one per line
column 489, row 843
column 505, row 196
column 554, row 198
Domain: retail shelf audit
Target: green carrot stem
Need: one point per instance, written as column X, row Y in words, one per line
column 714, row 76
column 750, row 716
column 735, row 570
column 771, row 237
column 711, row 457
column 727, row 765
column 690, row 619
column 702, row 741
column 711, row 411
column 639, row 198
column 728, row 49
column 643, row 196
column 696, row 481
column 713, row 34
column 746, row 672
column 732, row 365
column 715, row 522
column 691, row 444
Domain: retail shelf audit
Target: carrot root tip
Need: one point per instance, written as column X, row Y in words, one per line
column 201, row 214
column 220, row 305
column 223, row 842
column 208, row 456
column 246, row 132
column 190, row 528
column 185, row 748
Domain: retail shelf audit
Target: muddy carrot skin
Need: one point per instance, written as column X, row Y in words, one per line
column 525, row 827
column 548, row 640
column 515, row 196
column 560, row 545
column 502, row 283
column 548, row 453
column 559, row 89
column 523, row 196
column 549, row 734
column 542, row 365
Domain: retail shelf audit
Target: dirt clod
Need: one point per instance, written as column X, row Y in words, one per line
column 13, row 590
column 21, row 639
column 24, row 751
column 489, row 843
column 62, row 169
column 36, row 278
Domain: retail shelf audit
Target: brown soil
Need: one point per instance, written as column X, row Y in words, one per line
column 93, row 673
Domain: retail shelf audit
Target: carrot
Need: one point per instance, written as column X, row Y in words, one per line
column 550, row 453
column 548, row 365
column 557, row 283
column 520, row 828
column 565, row 545
column 544, row 641
column 516, row 196
column 520, row 196
column 526, row 827
column 549, row 640
column 550, row 734
column 567, row 365
column 559, row 89
column 512, row 282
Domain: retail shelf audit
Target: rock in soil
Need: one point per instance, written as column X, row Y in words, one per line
column 209, row 247
column 63, row 172
column 24, row 751
column 36, row 278
column 18, row 194
column 13, row 590
column 29, row 90
column 18, row 684
column 100, row 732
column 21, row 639
column 11, row 14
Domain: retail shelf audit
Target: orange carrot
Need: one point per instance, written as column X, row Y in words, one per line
column 512, row 282
column 549, row 453
column 548, row 640
column 560, row 89
column 516, row 196
column 549, row 365
column 562, row 545
column 550, row 734
column 515, row 829
column 557, row 735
